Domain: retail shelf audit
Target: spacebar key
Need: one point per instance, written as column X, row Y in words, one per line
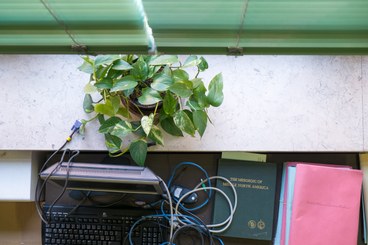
column 114, row 243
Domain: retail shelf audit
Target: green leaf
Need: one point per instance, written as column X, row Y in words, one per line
column 115, row 102
column 109, row 124
column 161, row 82
column 183, row 122
column 215, row 95
column 124, row 112
column 200, row 121
column 138, row 151
column 199, row 96
column 86, row 67
column 113, row 143
column 167, row 124
column 163, row 60
column 153, row 70
column 125, row 83
column 169, row 104
column 156, row 135
column 196, row 82
column 193, row 104
column 105, row 83
column 137, row 128
column 105, row 109
column 121, row 65
column 180, row 75
column 181, row 89
column 87, row 103
column 89, row 88
column 203, row 65
column 147, row 122
column 140, row 70
column 121, row 129
column 191, row 61
column 105, row 60
column 101, row 72
column 110, row 108
column 149, row 97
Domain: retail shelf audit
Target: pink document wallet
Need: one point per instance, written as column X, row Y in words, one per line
column 325, row 208
column 294, row 164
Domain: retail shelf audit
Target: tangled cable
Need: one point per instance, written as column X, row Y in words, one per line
column 182, row 218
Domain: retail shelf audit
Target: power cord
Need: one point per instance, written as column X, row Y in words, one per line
column 39, row 191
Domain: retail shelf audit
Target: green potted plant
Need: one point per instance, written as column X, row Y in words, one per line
column 142, row 95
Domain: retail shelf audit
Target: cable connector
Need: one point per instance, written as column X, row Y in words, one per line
column 76, row 126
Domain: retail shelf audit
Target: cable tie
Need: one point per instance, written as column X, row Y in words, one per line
column 203, row 186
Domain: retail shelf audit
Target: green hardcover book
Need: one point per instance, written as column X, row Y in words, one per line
column 255, row 183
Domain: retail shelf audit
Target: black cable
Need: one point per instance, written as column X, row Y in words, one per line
column 75, row 153
column 105, row 205
column 39, row 191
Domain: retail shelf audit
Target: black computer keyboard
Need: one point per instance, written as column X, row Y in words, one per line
column 99, row 226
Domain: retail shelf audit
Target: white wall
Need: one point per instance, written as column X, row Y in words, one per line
column 272, row 103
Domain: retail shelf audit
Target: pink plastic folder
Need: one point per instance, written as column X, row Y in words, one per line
column 325, row 206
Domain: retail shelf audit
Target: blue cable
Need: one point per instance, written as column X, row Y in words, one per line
column 219, row 239
column 208, row 181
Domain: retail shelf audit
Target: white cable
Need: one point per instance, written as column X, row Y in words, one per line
column 235, row 197
column 232, row 207
column 171, row 209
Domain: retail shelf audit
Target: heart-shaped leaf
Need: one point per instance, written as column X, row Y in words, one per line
column 121, row 65
column 109, row 124
column 200, row 121
column 147, row 122
column 183, row 122
column 167, row 124
column 203, row 65
column 156, row 135
column 140, row 70
column 180, row 75
column 113, row 143
column 161, row 82
column 86, row 67
column 169, row 104
column 105, row 83
column 215, row 95
column 138, row 151
column 181, row 89
column 121, row 129
column 192, row 60
column 149, row 97
column 105, row 60
column 125, row 83
column 110, row 108
column 89, row 88
column 87, row 103
column 163, row 60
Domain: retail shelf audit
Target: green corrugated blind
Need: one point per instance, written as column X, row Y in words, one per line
column 260, row 26
column 200, row 26
column 27, row 26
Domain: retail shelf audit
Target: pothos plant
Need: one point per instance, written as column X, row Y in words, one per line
column 143, row 95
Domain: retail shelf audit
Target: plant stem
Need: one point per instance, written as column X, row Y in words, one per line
column 154, row 113
column 198, row 71
column 138, row 109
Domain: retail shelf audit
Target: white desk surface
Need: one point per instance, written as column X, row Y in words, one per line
column 272, row 103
